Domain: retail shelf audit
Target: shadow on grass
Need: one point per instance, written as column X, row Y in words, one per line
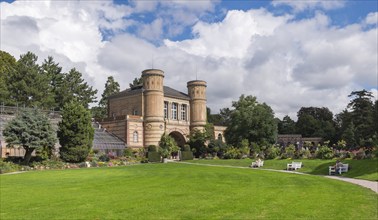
column 362, row 169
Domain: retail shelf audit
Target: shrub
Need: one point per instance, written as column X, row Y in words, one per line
column 186, row 155
column 50, row 164
column 153, row 156
column 104, row 158
column 232, row 153
column 186, row 147
column 289, row 152
column 272, row 152
column 324, row 152
column 152, row 148
column 128, row 152
column 7, row 167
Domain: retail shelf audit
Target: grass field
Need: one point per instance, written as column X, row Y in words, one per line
column 180, row 191
column 361, row 169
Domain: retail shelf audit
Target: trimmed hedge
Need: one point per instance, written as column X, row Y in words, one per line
column 186, row 155
column 153, row 157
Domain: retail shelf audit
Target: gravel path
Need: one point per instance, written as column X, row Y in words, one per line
column 365, row 183
column 373, row 185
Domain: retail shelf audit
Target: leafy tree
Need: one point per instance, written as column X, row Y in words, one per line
column 197, row 142
column 167, row 146
column 362, row 115
column 136, row 82
column 74, row 87
column 111, row 87
column 75, row 132
column 316, row 122
column 31, row 130
column 225, row 114
column 29, row 85
column 244, row 147
column 7, row 69
column 217, row 147
column 286, row 126
column 252, row 121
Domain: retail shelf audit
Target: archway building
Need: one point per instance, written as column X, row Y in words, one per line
column 140, row 115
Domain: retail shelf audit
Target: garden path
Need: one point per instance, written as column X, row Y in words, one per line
column 373, row 185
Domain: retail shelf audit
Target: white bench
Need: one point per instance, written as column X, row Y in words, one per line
column 294, row 165
column 257, row 164
column 342, row 169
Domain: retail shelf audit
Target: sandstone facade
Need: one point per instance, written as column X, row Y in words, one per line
column 140, row 115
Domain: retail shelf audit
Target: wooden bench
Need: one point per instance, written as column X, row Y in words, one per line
column 257, row 164
column 294, row 165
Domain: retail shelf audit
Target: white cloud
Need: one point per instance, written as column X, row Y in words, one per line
column 230, row 37
column 372, row 18
column 289, row 64
column 285, row 63
column 301, row 5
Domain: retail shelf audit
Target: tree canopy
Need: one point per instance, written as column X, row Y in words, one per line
column 75, row 132
column 31, row 130
column 111, row 87
column 25, row 82
column 252, row 121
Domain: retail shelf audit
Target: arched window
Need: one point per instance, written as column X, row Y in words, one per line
column 135, row 137
column 220, row 137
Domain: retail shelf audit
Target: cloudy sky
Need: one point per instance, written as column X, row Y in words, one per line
column 288, row 54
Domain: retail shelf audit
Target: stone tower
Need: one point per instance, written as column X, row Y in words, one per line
column 153, row 105
column 197, row 94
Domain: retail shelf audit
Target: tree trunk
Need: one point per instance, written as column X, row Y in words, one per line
column 28, row 154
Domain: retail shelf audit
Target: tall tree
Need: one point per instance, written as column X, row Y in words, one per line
column 55, row 77
column 286, row 126
column 252, row 121
column 31, row 130
column 28, row 84
column 7, row 69
column 75, row 132
column 111, row 87
column 316, row 122
column 74, row 87
column 362, row 112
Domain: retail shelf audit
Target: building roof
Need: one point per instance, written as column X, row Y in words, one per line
column 168, row 92
column 103, row 140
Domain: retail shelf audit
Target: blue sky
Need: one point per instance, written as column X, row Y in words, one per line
column 289, row 54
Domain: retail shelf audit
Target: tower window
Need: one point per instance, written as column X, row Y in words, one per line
column 135, row 137
column 174, row 111
column 183, row 112
column 165, row 109
column 135, row 112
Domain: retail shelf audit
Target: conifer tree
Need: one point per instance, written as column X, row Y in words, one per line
column 74, row 87
column 111, row 87
column 55, row 79
column 28, row 85
column 31, row 130
column 7, row 69
column 75, row 132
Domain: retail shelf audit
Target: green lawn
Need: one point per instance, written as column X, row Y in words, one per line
column 361, row 169
column 180, row 191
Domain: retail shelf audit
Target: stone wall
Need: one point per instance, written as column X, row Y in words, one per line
column 127, row 105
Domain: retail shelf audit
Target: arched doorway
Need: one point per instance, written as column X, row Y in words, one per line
column 179, row 138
